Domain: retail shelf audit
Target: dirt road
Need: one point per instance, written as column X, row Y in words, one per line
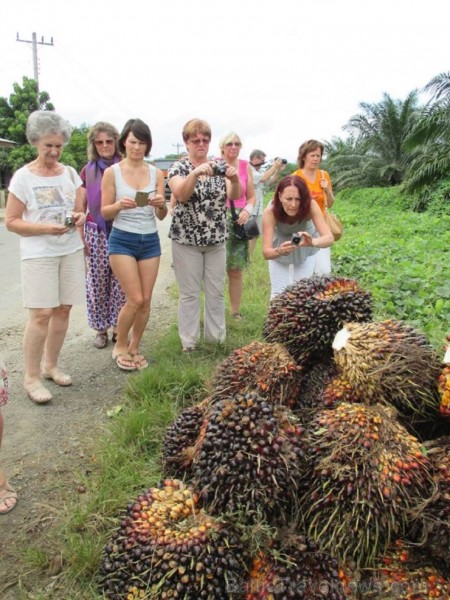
column 47, row 448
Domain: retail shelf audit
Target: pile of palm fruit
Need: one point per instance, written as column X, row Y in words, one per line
column 367, row 476
column 303, row 444
column 295, row 568
column 268, row 369
column 403, row 573
column 167, row 547
column 307, row 316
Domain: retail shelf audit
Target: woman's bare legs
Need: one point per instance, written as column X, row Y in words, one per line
column 137, row 280
column 235, row 288
column 8, row 496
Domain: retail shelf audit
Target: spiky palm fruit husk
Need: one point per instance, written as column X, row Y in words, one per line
column 321, row 388
column 308, row 314
column 404, row 574
column 297, row 570
column 180, row 436
column 267, row 369
column 249, row 459
column 434, row 532
column 444, row 391
column 368, row 478
column 167, row 547
column 390, row 362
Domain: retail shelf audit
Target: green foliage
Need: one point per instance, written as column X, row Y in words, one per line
column 74, row 153
column 400, row 256
column 14, row 113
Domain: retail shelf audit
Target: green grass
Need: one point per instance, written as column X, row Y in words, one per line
column 401, row 257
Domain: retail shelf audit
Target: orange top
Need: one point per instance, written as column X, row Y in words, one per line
column 316, row 191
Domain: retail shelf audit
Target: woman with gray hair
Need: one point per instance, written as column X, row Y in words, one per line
column 45, row 208
column 104, row 296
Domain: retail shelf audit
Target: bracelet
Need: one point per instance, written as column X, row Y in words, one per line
column 249, row 208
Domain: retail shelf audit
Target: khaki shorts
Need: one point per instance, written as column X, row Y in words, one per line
column 54, row 281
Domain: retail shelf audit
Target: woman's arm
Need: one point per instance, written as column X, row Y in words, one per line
column 250, row 197
column 233, row 184
column 111, row 208
column 268, row 231
column 159, row 201
column 325, row 184
column 325, row 238
column 14, row 221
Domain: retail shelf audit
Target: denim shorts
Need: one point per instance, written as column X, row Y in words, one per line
column 139, row 246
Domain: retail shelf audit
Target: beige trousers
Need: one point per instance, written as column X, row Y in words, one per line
column 198, row 267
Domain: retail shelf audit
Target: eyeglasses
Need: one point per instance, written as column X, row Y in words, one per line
column 199, row 141
column 104, row 142
column 237, row 144
column 256, row 166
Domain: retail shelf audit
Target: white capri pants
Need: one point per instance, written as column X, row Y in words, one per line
column 323, row 262
column 198, row 267
column 281, row 276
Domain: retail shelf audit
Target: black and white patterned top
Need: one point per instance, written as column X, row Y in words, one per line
column 201, row 221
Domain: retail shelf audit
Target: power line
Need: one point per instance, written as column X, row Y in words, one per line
column 178, row 146
column 35, row 43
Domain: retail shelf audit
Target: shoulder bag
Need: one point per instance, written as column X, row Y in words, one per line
column 243, row 232
column 333, row 221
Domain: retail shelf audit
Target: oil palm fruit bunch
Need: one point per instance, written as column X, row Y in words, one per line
column 167, row 547
column 435, row 519
column 444, row 391
column 295, row 569
column 367, row 477
column 404, row 574
column 307, row 315
column 180, row 436
column 267, row 369
column 249, row 459
column 390, row 362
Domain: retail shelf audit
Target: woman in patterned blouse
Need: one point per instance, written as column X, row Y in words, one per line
column 198, row 233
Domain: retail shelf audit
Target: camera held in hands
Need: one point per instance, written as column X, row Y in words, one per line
column 283, row 160
column 219, row 169
column 69, row 221
column 296, row 239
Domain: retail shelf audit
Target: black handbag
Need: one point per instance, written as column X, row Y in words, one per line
column 243, row 232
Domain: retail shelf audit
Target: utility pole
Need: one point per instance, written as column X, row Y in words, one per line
column 35, row 43
column 178, row 146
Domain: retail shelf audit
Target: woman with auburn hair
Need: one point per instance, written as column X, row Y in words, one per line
column 293, row 231
column 319, row 184
column 104, row 295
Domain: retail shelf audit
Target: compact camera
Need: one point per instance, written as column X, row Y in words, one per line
column 296, row 239
column 219, row 169
column 283, row 160
column 69, row 221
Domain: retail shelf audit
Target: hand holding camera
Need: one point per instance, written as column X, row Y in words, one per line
column 296, row 239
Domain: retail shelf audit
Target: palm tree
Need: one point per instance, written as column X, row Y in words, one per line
column 429, row 140
column 380, row 132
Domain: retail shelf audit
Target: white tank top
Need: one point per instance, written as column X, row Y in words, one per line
column 134, row 220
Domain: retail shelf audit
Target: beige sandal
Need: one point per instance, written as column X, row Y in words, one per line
column 58, row 376
column 38, row 393
column 7, row 493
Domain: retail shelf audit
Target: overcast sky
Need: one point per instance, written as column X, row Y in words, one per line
column 278, row 72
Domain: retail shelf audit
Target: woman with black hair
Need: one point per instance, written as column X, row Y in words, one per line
column 293, row 231
column 133, row 197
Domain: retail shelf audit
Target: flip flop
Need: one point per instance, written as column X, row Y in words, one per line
column 58, row 376
column 122, row 364
column 38, row 393
column 140, row 361
column 7, row 493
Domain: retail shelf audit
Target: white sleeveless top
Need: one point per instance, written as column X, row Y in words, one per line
column 134, row 220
